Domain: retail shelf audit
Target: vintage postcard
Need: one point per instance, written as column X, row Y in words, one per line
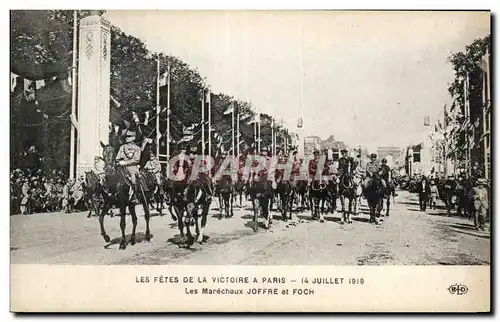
column 250, row 161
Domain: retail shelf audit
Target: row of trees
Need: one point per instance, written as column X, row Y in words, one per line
column 41, row 49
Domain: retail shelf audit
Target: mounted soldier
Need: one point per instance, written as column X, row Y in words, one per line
column 386, row 176
column 153, row 166
column 129, row 156
column 346, row 165
column 99, row 169
column 372, row 169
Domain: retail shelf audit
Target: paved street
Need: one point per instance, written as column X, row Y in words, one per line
column 407, row 237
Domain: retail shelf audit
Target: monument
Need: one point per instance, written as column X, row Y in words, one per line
column 94, row 70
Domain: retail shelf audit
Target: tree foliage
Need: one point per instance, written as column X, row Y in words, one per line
column 466, row 64
column 41, row 48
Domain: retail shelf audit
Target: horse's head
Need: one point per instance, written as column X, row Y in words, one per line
column 108, row 154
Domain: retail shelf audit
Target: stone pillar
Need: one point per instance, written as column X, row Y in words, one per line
column 94, row 56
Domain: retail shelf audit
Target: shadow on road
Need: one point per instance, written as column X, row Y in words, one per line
column 361, row 219
column 176, row 240
column 139, row 238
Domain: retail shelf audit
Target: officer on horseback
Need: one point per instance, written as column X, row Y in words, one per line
column 372, row 168
column 99, row 165
column 153, row 166
column 346, row 163
column 129, row 156
column 386, row 174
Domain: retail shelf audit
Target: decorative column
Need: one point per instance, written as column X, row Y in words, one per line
column 93, row 89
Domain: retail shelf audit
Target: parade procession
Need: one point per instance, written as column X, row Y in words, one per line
column 127, row 153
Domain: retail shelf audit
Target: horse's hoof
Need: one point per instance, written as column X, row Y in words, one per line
column 342, row 222
column 132, row 241
column 321, row 220
column 349, row 222
column 123, row 246
column 106, row 238
column 148, row 236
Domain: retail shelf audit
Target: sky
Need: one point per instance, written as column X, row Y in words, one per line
column 367, row 78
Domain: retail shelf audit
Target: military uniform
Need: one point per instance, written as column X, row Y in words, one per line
column 129, row 156
column 372, row 168
column 99, row 169
column 385, row 174
column 153, row 166
column 481, row 204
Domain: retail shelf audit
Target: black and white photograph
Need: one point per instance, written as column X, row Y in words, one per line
column 241, row 137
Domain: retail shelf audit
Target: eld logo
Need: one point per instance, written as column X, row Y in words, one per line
column 458, row 289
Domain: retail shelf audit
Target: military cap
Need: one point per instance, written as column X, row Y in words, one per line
column 373, row 155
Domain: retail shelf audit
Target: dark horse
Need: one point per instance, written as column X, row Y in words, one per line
column 318, row 192
column 239, row 188
column 285, row 190
column 348, row 188
column 93, row 194
column 261, row 192
column 187, row 198
column 225, row 191
column 116, row 191
column 374, row 194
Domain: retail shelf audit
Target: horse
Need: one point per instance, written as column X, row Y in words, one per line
column 239, row 188
column 199, row 194
column 358, row 193
column 260, row 190
column 186, row 197
column 92, row 193
column 374, row 192
column 286, row 193
column 388, row 193
column 347, row 189
column 116, row 191
column 224, row 190
column 302, row 192
column 318, row 192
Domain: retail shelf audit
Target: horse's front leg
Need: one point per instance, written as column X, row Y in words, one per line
column 231, row 206
column 103, row 212
column 256, row 208
column 342, row 204
column 221, row 204
column 349, row 212
column 133, row 214
column 388, row 205
column 204, row 215
column 123, row 243
column 180, row 223
column 147, row 216
column 321, row 209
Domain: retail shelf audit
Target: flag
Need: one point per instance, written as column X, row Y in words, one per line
column 41, row 83
column 136, row 118
column 13, row 81
column 245, row 116
column 255, row 119
column 483, row 64
column 187, row 130
column 115, row 101
column 230, row 109
column 163, row 79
